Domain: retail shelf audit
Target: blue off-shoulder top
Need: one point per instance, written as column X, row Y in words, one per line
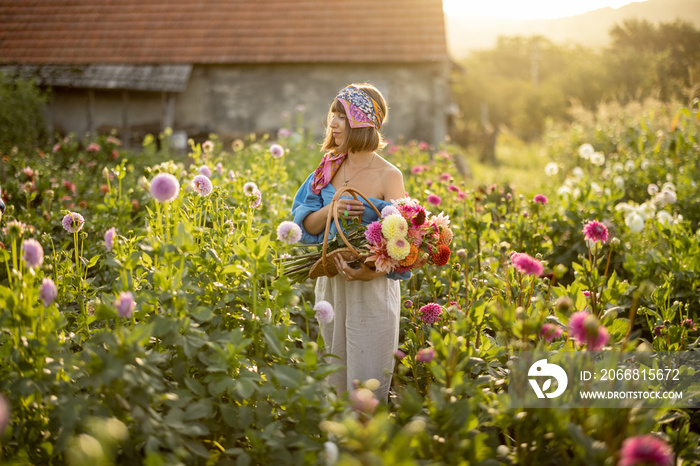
column 306, row 202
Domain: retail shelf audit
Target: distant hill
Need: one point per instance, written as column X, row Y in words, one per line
column 591, row 29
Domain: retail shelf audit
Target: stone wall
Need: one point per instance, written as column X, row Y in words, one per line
column 237, row 100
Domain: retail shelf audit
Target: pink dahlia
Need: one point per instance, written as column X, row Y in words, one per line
column 289, row 232
column 599, row 339
column 434, row 199
column 164, row 187
column 93, row 147
column 205, row 170
column 324, row 312
column 526, row 264
column 125, row 304
column 276, row 151
column 48, row 291
column 441, row 220
column 249, row 188
column 73, row 222
column 69, row 185
column 550, row 331
column 645, row 450
column 415, row 236
column 32, row 253
column 389, row 210
column 419, row 216
column 425, row 355
column 430, row 313
column 256, row 199
column 202, row 185
column 5, row 414
column 363, row 400
column 688, row 324
column 382, row 261
column 109, row 238
column 587, row 330
column 576, row 325
column 373, row 233
column 595, row 231
column 540, row 199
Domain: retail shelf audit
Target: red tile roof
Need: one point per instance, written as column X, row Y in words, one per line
column 220, row 31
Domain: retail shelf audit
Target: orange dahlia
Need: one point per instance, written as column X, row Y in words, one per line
column 410, row 258
column 446, row 236
column 441, row 255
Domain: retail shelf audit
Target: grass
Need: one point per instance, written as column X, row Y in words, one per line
column 520, row 164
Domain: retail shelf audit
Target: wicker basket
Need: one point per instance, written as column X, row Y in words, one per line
column 325, row 266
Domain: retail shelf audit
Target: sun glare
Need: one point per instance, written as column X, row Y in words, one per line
column 533, row 9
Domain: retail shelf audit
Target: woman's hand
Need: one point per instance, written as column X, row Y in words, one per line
column 315, row 222
column 362, row 273
column 352, row 207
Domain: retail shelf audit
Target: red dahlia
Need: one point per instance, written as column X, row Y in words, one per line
column 441, row 255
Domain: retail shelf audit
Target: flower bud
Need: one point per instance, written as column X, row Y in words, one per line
column 564, row 304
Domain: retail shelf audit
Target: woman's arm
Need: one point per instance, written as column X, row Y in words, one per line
column 310, row 213
column 393, row 185
column 315, row 222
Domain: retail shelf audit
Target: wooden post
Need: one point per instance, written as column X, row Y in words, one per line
column 168, row 111
column 125, row 119
column 91, row 112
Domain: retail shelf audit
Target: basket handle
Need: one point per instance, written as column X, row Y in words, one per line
column 333, row 213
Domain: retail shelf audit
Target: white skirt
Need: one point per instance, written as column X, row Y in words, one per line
column 364, row 333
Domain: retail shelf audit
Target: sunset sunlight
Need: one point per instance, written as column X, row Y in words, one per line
column 536, row 9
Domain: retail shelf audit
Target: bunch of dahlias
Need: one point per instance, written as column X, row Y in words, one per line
column 407, row 237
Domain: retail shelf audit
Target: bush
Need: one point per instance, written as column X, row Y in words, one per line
column 22, row 124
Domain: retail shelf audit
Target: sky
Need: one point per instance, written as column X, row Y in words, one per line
column 527, row 9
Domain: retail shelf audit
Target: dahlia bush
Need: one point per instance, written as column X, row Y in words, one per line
column 143, row 323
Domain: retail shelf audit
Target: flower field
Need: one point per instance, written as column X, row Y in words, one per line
column 145, row 320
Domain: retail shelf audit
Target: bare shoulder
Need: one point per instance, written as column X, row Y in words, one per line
column 391, row 179
column 388, row 170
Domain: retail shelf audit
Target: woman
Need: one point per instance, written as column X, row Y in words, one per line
column 365, row 331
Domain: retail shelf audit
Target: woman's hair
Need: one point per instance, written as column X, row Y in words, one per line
column 357, row 139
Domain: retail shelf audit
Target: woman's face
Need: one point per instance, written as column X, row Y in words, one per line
column 337, row 125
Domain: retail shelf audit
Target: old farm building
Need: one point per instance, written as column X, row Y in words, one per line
column 227, row 66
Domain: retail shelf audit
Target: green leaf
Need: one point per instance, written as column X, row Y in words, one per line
column 229, row 414
column 245, row 388
column 196, row 387
column 287, row 376
column 272, row 340
column 198, row 410
column 197, row 448
column 93, row 261
column 620, row 326
column 202, row 314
